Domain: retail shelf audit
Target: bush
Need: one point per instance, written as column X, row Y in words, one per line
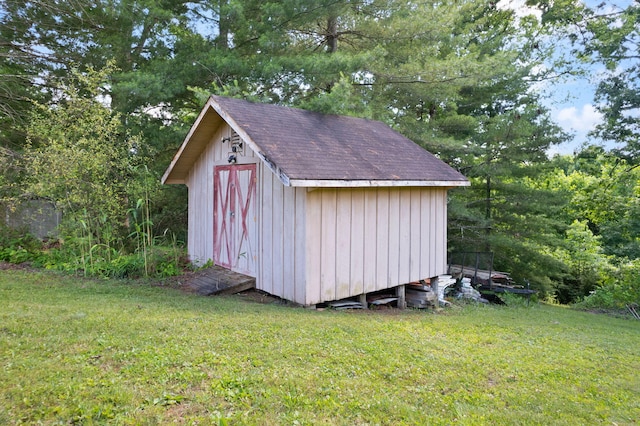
column 18, row 246
column 618, row 289
column 515, row 300
column 156, row 261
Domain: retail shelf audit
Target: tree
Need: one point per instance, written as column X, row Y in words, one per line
column 609, row 36
column 586, row 262
column 504, row 211
column 615, row 41
column 603, row 191
column 81, row 158
column 487, row 121
column 46, row 39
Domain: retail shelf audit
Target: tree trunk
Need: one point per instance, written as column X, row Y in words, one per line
column 224, row 26
column 332, row 34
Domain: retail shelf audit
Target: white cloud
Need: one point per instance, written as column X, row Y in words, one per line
column 519, row 7
column 577, row 120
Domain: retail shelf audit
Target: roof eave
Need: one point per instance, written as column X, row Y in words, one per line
column 170, row 175
column 337, row 183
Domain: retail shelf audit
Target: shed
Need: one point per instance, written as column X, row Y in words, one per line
column 316, row 207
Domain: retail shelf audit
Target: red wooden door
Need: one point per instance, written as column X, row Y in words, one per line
column 234, row 217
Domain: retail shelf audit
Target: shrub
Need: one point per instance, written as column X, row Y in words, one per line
column 18, row 246
column 516, row 300
column 620, row 288
column 157, row 261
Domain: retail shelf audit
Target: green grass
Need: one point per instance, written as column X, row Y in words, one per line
column 115, row 352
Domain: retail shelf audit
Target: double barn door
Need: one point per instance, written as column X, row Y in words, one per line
column 234, row 218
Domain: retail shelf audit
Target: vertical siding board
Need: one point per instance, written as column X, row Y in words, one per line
column 441, row 239
column 259, row 225
column 207, row 208
column 436, row 232
column 278, row 238
column 252, row 225
column 200, row 222
column 289, row 246
column 328, row 245
column 394, row 237
column 383, row 247
column 193, row 216
column 370, row 238
column 217, row 142
column 343, row 244
column 357, row 241
column 415, row 258
column 433, row 233
column 425, row 217
column 191, row 249
column 201, row 219
column 405, row 237
column 300, row 246
column 266, row 244
column 313, row 247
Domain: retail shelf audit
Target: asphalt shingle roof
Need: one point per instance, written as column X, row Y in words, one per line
column 310, row 145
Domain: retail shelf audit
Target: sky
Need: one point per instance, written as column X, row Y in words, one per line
column 572, row 108
column 571, row 101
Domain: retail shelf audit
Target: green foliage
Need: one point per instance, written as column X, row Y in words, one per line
column 516, row 300
column 341, row 100
column 587, row 265
column 603, row 191
column 18, row 246
column 158, row 261
column 619, row 288
column 82, row 159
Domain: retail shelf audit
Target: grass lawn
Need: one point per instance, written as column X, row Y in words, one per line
column 78, row 351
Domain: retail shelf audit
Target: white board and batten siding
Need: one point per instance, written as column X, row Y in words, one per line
column 282, row 238
column 343, row 242
column 360, row 240
column 324, row 244
column 313, row 219
column 279, row 221
column 200, row 182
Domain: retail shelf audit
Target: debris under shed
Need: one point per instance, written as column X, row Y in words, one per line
column 420, row 295
column 426, row 293
column 486, row 283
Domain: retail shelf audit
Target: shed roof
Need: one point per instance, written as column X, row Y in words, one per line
column 306, row 148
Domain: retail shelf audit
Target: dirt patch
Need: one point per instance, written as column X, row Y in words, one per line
column 180, row 282
column 258, row 296
column 617, row 313
column 6, row 266
column 187, row 282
